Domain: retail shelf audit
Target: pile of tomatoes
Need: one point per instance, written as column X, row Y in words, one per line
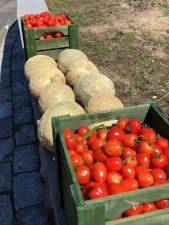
column 50, row 35
column 122, row 158
column 45, row 19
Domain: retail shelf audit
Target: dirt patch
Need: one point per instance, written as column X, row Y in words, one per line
column 129, row 44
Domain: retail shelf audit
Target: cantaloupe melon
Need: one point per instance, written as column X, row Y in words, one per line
column 103, row 102
column 38, row 62
column 68, row 57
column 45, row 126
column 79, row 69
column 92, row 84
column 53, row 93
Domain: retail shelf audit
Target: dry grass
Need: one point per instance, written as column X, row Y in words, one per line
column 128, row 40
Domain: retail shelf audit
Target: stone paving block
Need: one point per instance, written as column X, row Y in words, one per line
column 26, row 158
column 5, row 72
column 6, row 61
column 6, row 148
column 5, row 82
column 5, row 177
column 25, row 134
column 18, row 75
column 5, row 110
column 5, row 94
column 23, row 116
column 28, row 190
column 6, row 128
column 22, row 100
column 32, row 216
column 18, row 65
column 6, row 216
column 20, row 87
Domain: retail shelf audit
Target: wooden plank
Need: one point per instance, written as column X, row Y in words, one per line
column 30, row 43
column 39, row 31
column 52, row 53
column 159, row 217
column 74, row 36
column 52, row 44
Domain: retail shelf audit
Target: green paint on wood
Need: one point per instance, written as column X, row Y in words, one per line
column 52, row 44
column 73, row 36
column 104, row 211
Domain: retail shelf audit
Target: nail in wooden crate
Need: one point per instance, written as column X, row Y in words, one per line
column 104, row 210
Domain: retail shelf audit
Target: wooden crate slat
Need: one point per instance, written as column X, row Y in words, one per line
column 39, row 31
column 159, row 217
column 52, row 44
column 111, row 206
column 52, row 53
column 74, row 38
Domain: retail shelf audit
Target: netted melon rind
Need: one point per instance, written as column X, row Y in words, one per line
column 104, row 102
column 69, row 56
column 45, row 127
column 92, row 84
column 53, row 93
column 38, row 61
column 79, row 69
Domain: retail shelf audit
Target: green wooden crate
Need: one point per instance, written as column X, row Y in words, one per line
column 105, row 210
column 52, row 47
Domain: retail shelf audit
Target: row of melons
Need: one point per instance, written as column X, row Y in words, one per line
column 47, row 81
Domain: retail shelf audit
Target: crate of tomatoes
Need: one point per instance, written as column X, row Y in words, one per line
column 114, row 166
column 48, row 34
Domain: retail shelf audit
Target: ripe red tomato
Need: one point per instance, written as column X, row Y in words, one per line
column 128, row 151
column 139, row 169
column 145, row 179
column 133, row 126
column 79, row 148
column 146, row 147
column 79, row 139
column 157, row 149
column 165, row 151
column 83, row 174
column 99, row 155
column 71, row 152
column 135, row 210
column 130, row 140
column 130, row 184
column 130, row 160
column 99, row 172
column 98, row 191
column 149, row 207
column 114, row 177
column 114, row 164
column 122, row 123
column 128, row 172
column 98, row 143
column 91, row 139
column 102, row 134
column 58, row 34
column 162, row 142
column 82, row 130
column 148, row 134
column 88, row 157
column 87, row 188
column 113, row 147
column 115, row 133
column 115, row 188
column 71, row 142
column 143, row 159
column 159, row 175
column 162, row 204
column 76, row 160
column 159, row 161
column 67, row 133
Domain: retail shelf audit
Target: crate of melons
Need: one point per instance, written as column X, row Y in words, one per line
column 113, row 166
column 48, row 34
